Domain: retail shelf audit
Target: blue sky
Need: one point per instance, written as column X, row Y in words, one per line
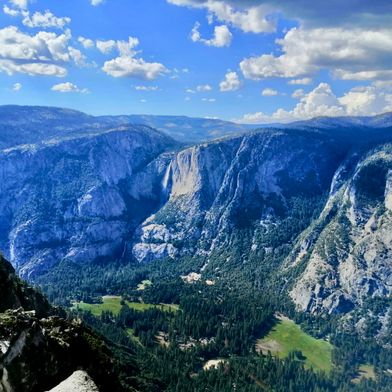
column 249, row 61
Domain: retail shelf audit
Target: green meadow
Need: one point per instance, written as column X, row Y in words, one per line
column 113, row 304
column 365, row 372
column 287, row 337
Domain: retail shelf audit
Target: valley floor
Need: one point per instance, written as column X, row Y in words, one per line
column 287, row 337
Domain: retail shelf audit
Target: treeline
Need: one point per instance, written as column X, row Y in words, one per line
column 172, row 347
column 224, row 320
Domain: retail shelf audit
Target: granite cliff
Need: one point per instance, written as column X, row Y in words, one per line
column 84, row 191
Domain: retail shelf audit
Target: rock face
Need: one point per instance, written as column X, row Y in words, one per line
column 349, row 249
column 77, row 198
column 83, row 191
column 79, row 381
column 16, row 294
column 343, row 256
column 40, row 353
column 215, row 187
column 38, row 349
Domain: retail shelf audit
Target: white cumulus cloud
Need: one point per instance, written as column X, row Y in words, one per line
column 222, row 36
column 127, row 64
column 17, row 87
column 269, row 92
column 366, row 101
column 68, row 87
column 250, row 19
column 203, row 88
column 42, row 69
column 303, row 81
column 260, row 15
column 45, row 53
column 10, row 11
column 299, row 93
column 146, row 88
column 106, row 47
column 46, row 19
column 131, row 67
column 348, row 53
column 22, row 4
column 87, row 43
column 230, row 83
column 359, row 101
column 125, row 48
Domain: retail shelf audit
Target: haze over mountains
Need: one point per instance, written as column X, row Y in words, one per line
column 81, row 189
column 46, row 123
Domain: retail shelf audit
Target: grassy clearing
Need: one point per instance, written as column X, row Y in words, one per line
column 365, row 372
column 113, row 304
column 287, row 337
column 143, row 285
column 131, row 334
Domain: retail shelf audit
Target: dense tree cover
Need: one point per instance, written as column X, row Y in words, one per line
column 221, row 321
column 225, row 319
column 214, row 324
column 253, row 373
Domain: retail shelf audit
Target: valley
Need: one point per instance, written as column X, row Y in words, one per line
column 287, row 338
column 184, row 255
column 196, row 196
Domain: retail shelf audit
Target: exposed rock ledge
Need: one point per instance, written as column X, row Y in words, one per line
column 79, row 381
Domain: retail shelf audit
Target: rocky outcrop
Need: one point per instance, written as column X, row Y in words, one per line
column 216, row 187
column 38, row 349
column 39, row 353
column 17, row 294
column 79, row 381
column 78, row 198
column 348, row 250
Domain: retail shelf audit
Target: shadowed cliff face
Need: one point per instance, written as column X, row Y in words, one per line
column 16, row 294
column 77, row 198
column 341, row 259
column 118, row 194
column 39, row 350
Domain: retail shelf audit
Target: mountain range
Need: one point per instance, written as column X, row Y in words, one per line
column 311, row 201
column 35, row 124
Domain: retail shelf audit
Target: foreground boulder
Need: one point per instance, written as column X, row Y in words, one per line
column 79, row 381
